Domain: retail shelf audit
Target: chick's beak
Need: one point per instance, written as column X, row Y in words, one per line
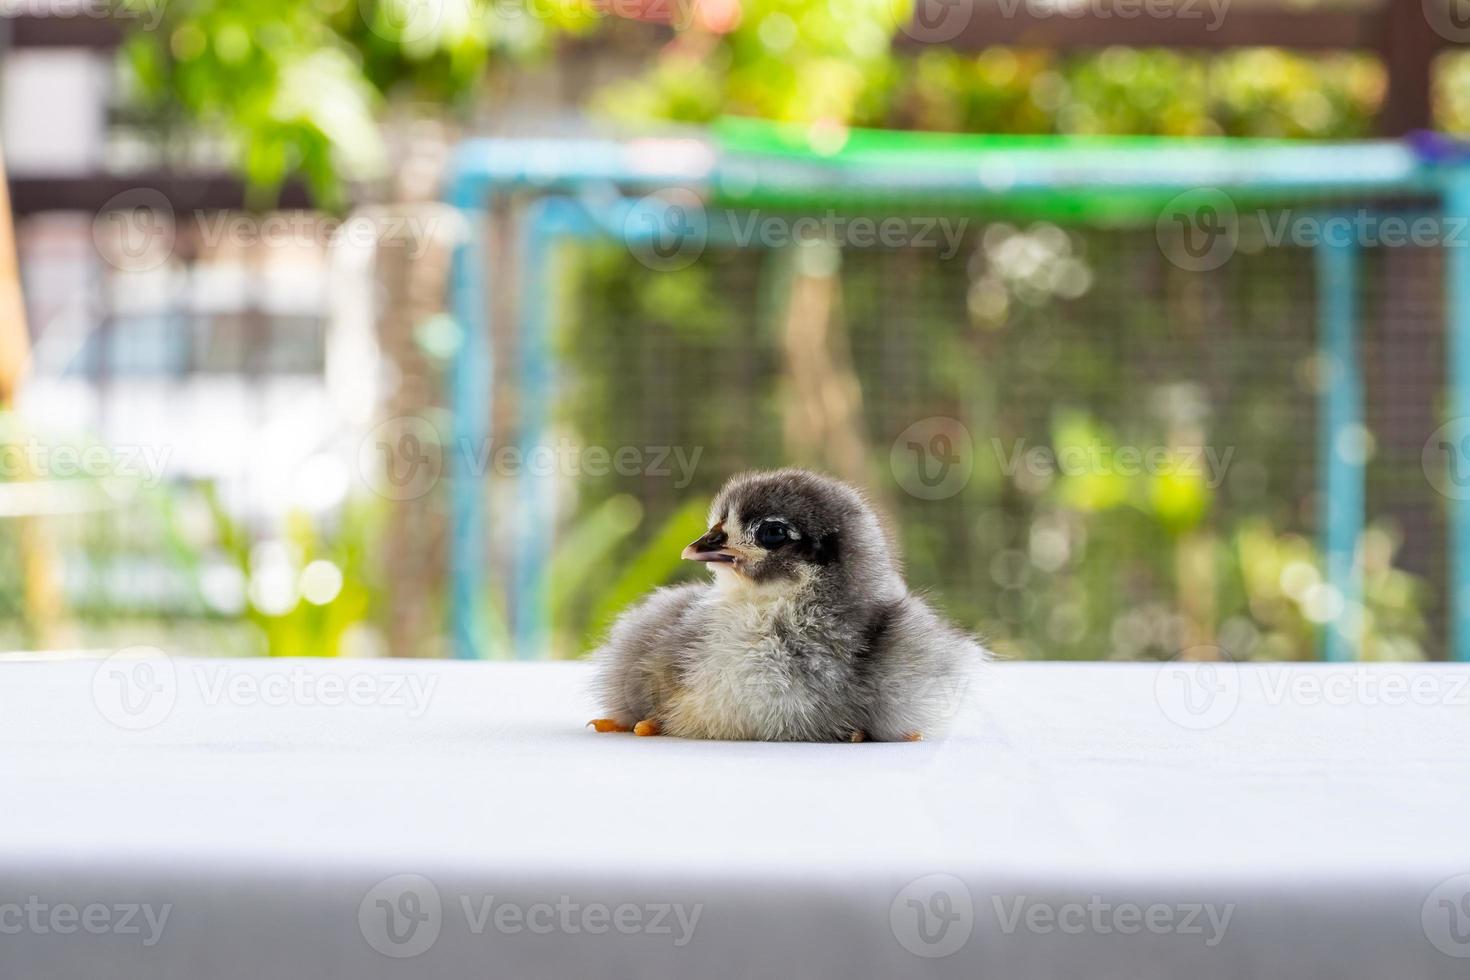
column 711, row 547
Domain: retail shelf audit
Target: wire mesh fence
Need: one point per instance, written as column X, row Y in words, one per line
column 1087, row 448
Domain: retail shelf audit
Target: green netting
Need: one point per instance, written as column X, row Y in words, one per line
column 1112, row 179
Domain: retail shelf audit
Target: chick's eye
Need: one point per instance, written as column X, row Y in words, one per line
column 772, row 534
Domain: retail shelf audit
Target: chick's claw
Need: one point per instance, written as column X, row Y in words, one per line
column 646, row 727
column 608, row 725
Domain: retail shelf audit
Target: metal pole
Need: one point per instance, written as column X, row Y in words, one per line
column 536, row 485
column 469, row 395
column 1340, row 450
column 1457, row 346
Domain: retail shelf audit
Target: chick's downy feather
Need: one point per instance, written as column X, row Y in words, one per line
column 807, row 633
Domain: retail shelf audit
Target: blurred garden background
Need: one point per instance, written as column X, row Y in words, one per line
column 208, row 349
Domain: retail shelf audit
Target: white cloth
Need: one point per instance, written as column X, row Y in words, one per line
column 1098, row 820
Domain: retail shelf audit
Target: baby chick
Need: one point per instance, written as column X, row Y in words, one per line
column 807, row 632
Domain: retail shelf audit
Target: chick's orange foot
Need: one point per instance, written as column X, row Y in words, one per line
column 608, row 725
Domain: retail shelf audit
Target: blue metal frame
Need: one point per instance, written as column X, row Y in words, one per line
column 482, row 173
column 1340, row 460
column 1457, row 348
column 606, row 177
column 470, row 427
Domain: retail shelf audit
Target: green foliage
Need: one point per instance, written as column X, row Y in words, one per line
column 656, row 563
column 293, row 618
column 835, row 62
column 1128, row 539
column 115, row 559
column 1074, row 564
column 298, row 86
column 271, row 78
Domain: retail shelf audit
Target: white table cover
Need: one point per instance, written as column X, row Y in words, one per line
column 195, row 819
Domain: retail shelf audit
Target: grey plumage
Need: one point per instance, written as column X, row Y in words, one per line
column 808, row 632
